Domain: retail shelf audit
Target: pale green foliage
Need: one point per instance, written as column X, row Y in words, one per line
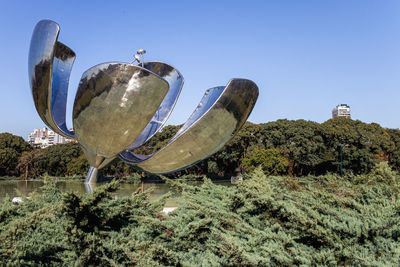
column 385, row 173
column 262, row 221
column 381, row 173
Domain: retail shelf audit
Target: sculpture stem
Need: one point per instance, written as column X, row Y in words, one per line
column 91, row 177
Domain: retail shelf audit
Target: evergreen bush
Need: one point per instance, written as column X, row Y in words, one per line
column 262, row 221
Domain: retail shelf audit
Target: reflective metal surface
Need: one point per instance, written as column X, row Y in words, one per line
column 120, row 106
column 113, row 104
column 175, row 81
column 49, row 66
column 220, row 114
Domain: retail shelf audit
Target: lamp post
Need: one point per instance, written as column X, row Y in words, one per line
column 341, row 159
column 341, row 145
column 138, row 58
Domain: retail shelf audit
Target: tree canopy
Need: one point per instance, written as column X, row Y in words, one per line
column 11, row 148
column 303, row 148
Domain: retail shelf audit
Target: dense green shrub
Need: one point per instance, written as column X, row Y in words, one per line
column 270, row 160
column 263, row 221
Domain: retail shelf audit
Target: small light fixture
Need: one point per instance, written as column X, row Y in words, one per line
column 141, row 52
column 137, row 58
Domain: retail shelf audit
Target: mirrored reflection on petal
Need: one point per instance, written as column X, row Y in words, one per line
column 175, row 81
column 219, row 116
column 49, row 66
column 113, row 104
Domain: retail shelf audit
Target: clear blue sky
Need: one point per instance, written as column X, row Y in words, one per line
column 305, row 56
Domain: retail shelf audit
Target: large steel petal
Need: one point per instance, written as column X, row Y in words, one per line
column 113, row 104
column 219, row 116
column 49, row 66
column 175, row 81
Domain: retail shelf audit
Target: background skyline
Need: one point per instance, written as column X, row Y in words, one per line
column 306, row 57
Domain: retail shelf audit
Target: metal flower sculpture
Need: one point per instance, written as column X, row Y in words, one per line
column 120, row 106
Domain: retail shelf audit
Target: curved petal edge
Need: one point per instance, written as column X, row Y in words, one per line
column 175, row 81
column 219, row 116
column 49, row 66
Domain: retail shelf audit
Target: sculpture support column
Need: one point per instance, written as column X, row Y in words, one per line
column 91, row 177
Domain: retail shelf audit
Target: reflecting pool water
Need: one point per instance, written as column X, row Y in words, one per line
column 11, row 188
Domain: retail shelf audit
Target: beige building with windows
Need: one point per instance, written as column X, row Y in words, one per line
column 341, row 110
column 43, row 138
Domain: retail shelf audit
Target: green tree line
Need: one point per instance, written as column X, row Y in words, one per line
column 282, row 147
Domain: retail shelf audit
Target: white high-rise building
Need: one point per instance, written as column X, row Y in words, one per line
column 43, row 138
column 341, row 110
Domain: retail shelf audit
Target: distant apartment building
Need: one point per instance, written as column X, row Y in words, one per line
column 43, row 138
column 341, row 110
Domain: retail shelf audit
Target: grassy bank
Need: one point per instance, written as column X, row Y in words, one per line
column 42, row 178
column 326, row 220
column 136, row 178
